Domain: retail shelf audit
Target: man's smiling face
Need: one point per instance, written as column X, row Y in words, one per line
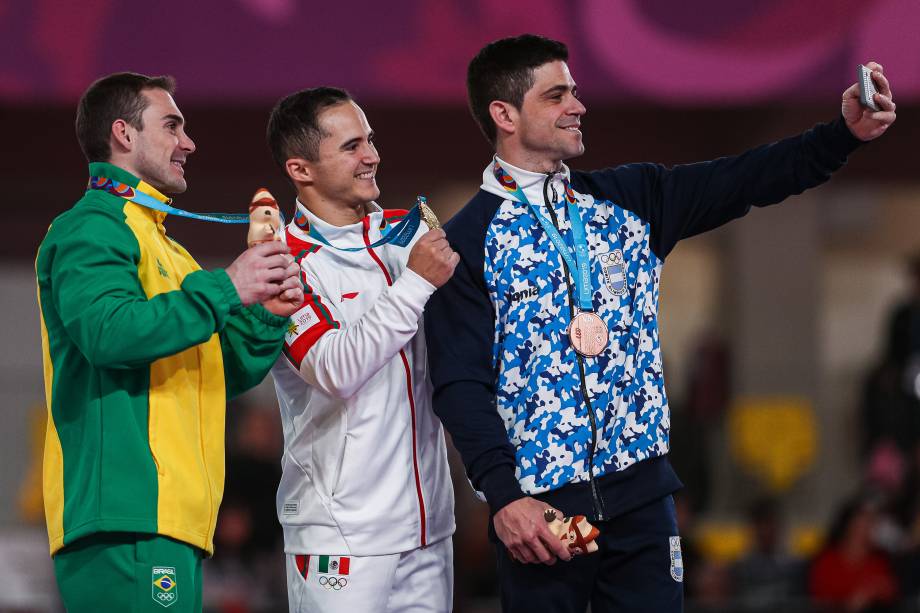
column 549, row 128
column 345, row 171
column 162, row 145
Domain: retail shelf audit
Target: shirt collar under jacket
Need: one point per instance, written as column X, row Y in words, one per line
column 351, row 235
column 530, row 182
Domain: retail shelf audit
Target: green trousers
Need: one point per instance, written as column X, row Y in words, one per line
column 129, row 572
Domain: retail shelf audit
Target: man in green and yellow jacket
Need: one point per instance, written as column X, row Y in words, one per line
column 141, row 350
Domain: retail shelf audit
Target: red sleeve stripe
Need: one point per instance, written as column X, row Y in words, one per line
column 296, row 351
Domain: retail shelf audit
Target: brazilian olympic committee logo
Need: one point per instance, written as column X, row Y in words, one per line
column 165, row 591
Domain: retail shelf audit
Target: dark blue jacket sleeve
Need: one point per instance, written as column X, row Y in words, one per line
column 692, row 198
column 460, row 331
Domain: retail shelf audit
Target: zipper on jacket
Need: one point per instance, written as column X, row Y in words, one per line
column 423, row 537
column 168, row 253
column 599, row 509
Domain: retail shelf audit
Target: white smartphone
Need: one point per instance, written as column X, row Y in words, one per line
column 867, row 88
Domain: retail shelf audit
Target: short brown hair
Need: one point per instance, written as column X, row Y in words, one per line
column 503, row 70
column 117, row 96
column 293, row 126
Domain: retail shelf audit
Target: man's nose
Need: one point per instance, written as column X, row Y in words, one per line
column 187, row 144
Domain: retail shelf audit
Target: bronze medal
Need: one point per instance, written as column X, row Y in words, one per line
column 588, row 334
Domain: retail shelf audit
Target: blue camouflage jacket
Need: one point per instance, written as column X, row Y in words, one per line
column 527, row 413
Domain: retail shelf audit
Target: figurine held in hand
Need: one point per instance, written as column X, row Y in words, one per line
column 264, row 219
column 575, row 531
column 265, row 227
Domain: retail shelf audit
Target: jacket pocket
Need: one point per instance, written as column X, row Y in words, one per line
column 336, row 481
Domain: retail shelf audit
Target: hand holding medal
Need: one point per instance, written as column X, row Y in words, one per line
column 432, row 257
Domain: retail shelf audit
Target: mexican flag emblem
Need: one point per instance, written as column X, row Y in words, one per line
column 164, row 591
column 333, row 565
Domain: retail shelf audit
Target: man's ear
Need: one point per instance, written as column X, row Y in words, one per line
column 123, row 134
column 504, row 115
column 299, row 170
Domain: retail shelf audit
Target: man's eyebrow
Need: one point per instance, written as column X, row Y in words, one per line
column 172, row 116
column 356, row 140
column 557, row 89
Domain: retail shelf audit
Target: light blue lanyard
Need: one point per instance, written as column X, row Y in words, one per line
column 122, row 190
column 581, row 262
column 400, row 234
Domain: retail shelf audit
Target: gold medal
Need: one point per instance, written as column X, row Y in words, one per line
column 588, row 334
column 428, row 216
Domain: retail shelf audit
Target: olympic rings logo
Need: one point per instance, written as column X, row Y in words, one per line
column 333, row 583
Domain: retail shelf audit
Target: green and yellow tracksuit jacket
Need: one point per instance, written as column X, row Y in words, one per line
column 141, row 349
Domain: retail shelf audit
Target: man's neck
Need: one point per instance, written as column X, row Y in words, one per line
column 528, row 161
column 128, row 166
column 125, row 164
column 334, row 214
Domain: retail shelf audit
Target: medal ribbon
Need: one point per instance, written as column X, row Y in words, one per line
column 581, row 262
column 399, row 234
column 123, row 190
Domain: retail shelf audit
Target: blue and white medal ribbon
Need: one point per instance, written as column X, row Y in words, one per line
column 400, row 234
column 135, row 195
column 587, row 331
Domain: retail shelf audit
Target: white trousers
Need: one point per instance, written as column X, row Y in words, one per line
column 417, row 581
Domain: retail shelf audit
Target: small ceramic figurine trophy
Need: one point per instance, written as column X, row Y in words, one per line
column 265, row 226
column 575, row 531
column 264, row 219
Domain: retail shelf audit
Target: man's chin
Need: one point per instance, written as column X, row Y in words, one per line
column 173, row 188
column 574, row 153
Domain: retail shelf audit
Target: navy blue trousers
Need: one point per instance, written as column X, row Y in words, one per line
column 637, row 569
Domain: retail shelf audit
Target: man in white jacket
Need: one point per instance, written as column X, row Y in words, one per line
column 365, row 500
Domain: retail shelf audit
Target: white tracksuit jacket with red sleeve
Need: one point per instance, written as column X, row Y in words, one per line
column 365, row 467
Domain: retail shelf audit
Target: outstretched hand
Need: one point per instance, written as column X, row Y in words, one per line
column 863, row 122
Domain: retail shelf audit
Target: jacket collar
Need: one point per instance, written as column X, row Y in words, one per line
column 531, row 183
column 351, row 235
column 116, row 173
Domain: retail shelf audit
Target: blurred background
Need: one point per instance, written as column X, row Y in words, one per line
column 791, row 337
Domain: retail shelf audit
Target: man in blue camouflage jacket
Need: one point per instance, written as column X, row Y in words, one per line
column 544, row 345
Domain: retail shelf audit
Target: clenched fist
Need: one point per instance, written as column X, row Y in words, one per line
column 289, row 300
column 432, row 258
column 265, row 271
